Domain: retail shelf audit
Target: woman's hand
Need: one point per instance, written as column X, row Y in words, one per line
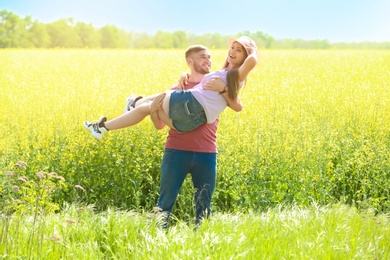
column 215, row 84
column 183, row 81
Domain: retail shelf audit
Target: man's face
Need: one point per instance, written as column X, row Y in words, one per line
column 201, row 61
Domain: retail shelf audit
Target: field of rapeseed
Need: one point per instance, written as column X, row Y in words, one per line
column 315, row 128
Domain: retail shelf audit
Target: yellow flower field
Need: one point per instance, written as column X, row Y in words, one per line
column 315, row 126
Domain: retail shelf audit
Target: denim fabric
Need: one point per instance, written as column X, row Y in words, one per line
column 185, row 111
column 175, row 166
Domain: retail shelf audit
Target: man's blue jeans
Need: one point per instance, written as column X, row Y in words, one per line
column 175, row 166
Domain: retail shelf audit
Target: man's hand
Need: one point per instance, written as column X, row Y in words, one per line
column 154, row 108
column 183, row 81
column 157, row 103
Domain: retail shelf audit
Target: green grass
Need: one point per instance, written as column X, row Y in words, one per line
column 333, row 232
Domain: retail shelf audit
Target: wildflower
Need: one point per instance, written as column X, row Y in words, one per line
column 20, row 164
column 71, row 221
column 60, row 178
column 55, row 238
column 41, row 174
column 53, row 174
column 9, row 173
column 23, row 179
column 78, row 187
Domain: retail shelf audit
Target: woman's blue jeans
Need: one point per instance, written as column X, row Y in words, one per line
column 175, row 166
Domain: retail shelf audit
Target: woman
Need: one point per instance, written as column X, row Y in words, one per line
column 185, row 110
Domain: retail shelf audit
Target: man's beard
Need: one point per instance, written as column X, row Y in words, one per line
column 200, row 69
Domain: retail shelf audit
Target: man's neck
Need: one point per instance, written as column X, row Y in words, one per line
column 196, row 77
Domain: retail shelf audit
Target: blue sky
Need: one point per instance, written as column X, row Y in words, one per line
column 334, row 20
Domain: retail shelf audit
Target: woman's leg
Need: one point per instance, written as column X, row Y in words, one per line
column 145, row 99
column 163, row 113
column 141, row 111
column 130, row 118
column 134, row 101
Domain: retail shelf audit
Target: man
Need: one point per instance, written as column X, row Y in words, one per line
column 192, row 152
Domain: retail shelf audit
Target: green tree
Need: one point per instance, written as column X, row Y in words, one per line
column 13, row 32
column 205, row 39
column 39, row 36
column 163, row 40
column 143, row 40
column 263, row 39
column 63, row 34
column 89, row 36
column 112, row 37
column 180, row 39
column 16, row 32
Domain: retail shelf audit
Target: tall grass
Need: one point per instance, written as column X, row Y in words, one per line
column 336, row 232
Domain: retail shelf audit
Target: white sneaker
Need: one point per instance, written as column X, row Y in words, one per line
column 94, row 128
column 130, row 102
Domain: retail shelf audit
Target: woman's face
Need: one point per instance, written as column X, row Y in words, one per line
column 236, row 54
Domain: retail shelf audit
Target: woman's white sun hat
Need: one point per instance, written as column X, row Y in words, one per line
column 249, row 44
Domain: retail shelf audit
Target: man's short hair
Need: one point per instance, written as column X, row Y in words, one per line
column 195, row 48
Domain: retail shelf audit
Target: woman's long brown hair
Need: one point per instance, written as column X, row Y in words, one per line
column 232, row 83
column 232, row 80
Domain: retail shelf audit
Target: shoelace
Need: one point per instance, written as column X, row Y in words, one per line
column 96, row 127
column 129, row 105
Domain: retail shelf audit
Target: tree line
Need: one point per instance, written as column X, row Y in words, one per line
column 18, row 32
